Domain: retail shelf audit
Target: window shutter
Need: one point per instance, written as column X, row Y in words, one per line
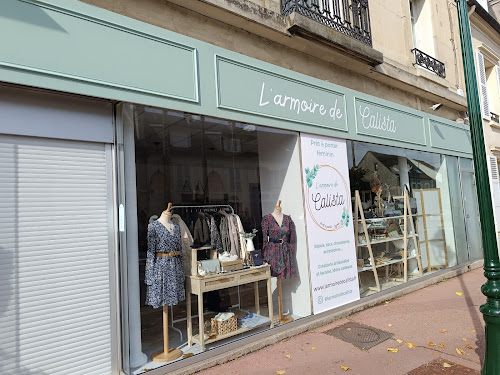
column 483, row 88
column 495, row 189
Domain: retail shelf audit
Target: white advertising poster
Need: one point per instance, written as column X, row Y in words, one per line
column 330, row 234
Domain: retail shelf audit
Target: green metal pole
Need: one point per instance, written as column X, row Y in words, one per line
column 491, row 289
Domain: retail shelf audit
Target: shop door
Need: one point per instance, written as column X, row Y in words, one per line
column 471, row 210
column 55, row 243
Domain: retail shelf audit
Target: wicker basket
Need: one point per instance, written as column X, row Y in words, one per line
column 227, row 326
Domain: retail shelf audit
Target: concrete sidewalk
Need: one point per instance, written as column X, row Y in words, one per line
column 440, row 321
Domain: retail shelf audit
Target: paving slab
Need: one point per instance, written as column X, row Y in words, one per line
column 441, row 322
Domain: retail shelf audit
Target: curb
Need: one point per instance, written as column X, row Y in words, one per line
column 250, row 344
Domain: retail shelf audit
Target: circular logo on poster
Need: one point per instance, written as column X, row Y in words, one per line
column 327, row 197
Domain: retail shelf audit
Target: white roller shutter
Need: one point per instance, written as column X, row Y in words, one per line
column 54, row 258
column 483, row 87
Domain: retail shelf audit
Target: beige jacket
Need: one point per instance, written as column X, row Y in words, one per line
column 187, row 241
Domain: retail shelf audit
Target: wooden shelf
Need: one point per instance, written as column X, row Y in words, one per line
column 385, row 217
column 360, row 222
column 196, row 338
column 388, row 239
column 369, row 268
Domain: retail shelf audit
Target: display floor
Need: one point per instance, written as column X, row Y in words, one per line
column 229, row 300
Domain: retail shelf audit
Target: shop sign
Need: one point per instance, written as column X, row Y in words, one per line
column 389, row 123
column 248, row 89
column 330, row 236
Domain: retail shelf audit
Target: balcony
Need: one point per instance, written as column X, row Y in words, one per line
column 349, row 17
column 428, row 62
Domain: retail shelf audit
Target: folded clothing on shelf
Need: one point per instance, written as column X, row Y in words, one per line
column 252, row 321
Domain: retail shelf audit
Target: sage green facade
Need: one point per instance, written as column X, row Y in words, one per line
column 72, row 47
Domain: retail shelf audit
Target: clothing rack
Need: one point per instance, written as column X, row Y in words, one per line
column 202, row 208
column 205, row 207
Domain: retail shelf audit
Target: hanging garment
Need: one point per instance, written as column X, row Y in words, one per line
column 186, row 241
column 243, row 241
column 236, row 234
column 224, row 234
column 201, row 231
column 164, row 274
column 232, row 233
column 216, row 241
column 279, row 246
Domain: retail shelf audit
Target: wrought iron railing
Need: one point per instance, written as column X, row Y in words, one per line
column 494, row 117
column 350, row 17
column 428, row 62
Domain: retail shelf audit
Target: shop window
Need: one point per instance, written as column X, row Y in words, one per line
column 223, row 179
column 488, row 74
column 421, row 24
column 380, row 176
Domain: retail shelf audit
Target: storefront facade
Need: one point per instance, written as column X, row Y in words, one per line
column 371, row 191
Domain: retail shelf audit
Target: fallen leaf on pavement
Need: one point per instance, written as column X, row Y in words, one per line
column 458, row 293
column 465, row 339
column 460, row 351
column 468, row 346
column 389, row 325
column 446, row 364
column 392, row 350
column 430, row 343
column 435, row 352
column 441, row 345
column 348, row 329
column 411, row 345
column 345, row 368
column 187, row 355
column 146, row 369
column 473, row 331
column 280, row 372
column 399, row 341
column 387, row 302
column 288, row 356
column 442, row 330
column 313, row 348
column 390, row 360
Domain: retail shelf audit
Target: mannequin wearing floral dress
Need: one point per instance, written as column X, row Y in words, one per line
column 164, row 268
column 280, row 245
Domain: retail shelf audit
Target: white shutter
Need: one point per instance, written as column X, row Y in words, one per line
column 495, row 189
column 54, row 258
column 483, row 88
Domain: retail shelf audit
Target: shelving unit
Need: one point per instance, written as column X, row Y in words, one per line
column 199, row 285
column 359, row 219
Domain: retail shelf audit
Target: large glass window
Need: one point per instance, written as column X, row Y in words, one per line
column 381, row 175
column 227, row 181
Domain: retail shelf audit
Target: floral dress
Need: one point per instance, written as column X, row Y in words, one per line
column 164, row 275
column 280, row 246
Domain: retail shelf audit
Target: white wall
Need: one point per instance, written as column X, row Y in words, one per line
column 279, row 166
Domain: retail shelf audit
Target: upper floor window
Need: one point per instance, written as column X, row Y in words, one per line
column 421, row 23
column 488, row 77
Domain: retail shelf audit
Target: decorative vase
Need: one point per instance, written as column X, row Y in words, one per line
column 250, row 246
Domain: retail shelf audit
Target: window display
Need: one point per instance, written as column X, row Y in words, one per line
column 212, row 260
column 404, row 224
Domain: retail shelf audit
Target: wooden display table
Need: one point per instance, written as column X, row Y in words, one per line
column 199, row 285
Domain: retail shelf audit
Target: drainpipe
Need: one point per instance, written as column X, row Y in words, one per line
column 491, row 289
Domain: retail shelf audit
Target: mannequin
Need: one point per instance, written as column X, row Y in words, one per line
column 166, row 219
column 279, row 245
column 277, row 214
column 166, row 354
